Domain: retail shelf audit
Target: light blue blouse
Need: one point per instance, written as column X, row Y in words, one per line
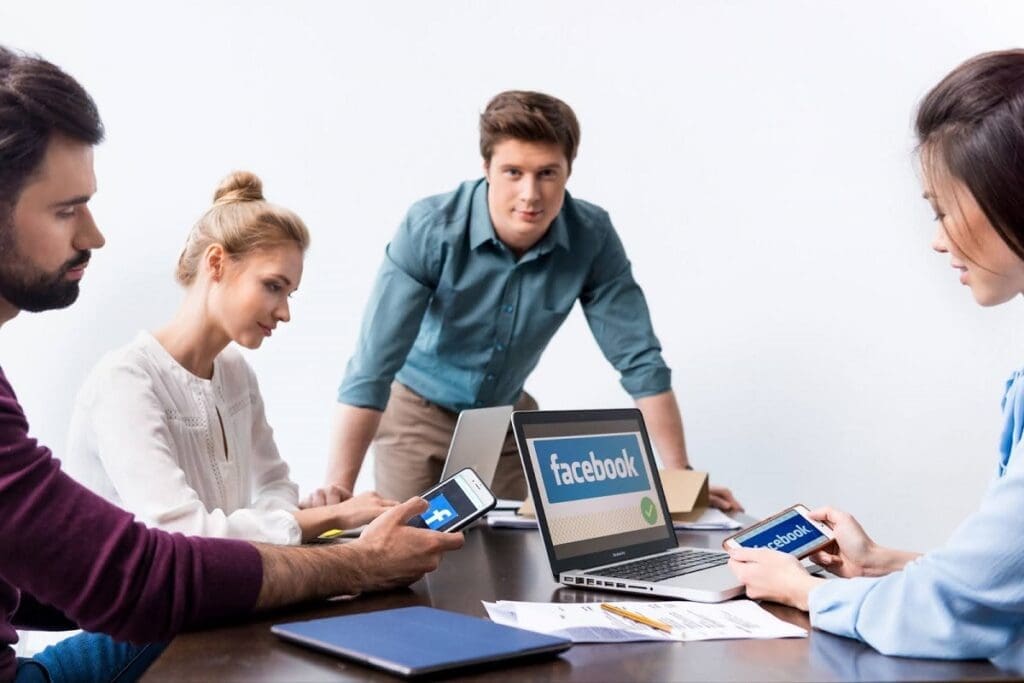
column 964, row 600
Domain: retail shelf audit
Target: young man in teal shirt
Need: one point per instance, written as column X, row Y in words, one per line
column 474, row 285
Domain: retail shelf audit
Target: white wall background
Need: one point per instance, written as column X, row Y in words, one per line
column 756, row 158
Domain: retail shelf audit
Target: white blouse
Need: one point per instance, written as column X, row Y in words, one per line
column 149, row 436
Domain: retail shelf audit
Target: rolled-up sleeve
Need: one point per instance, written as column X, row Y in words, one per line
column 964, row 600
column 617, row 313
column 405, row 283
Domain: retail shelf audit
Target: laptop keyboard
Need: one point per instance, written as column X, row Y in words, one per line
column 665, row 566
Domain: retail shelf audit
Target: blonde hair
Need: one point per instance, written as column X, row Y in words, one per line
column 241, row 221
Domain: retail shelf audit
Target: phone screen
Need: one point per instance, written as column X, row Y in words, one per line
column 452, row 503
column 790, row 533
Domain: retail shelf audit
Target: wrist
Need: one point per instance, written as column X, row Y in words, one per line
column 802, row 593
column 360, row 561
column 880, row 561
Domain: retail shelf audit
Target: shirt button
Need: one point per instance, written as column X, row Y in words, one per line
column 490, row 376
column 478, row 403
column 508, row 309
column 500, row 346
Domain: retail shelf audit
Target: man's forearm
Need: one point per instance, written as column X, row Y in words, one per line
column 665, row 425
column 353, row 430
column 293, row 574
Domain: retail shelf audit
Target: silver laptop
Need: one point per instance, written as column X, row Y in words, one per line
column 477, row 442
column 602, row 511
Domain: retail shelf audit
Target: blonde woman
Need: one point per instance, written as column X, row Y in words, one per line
column 172, row 426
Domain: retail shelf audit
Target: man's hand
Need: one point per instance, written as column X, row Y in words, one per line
column 394, row 554
column 722, row 498
column 330, row 494
column 772, row 575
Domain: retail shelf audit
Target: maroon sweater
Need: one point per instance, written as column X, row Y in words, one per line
column 65, row 551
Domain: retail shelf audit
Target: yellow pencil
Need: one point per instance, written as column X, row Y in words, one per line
column 639, row 618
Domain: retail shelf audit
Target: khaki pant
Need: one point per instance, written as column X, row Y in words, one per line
column 412, row 444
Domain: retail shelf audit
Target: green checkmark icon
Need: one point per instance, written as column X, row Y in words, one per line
column 648, row 510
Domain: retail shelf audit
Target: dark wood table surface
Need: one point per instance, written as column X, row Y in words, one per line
column 510, row 564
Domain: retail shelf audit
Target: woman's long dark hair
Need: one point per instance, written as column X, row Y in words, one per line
column 972, row 124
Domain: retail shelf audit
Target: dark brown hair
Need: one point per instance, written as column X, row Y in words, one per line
column 529, row 116
column 37, row 99
column 971, row 126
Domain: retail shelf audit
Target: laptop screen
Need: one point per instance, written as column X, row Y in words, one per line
column 592, row 480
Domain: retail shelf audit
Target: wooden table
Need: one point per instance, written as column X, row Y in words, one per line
column 510, row 564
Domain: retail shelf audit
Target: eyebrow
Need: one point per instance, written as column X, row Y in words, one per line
column 517, row 166
column 74, row 201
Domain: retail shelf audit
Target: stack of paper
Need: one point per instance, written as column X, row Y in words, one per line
column 709, row 519
column 589, row 623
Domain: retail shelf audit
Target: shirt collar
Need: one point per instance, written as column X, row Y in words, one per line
column 481, row 229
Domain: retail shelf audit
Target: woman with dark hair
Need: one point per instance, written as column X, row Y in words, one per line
column 965, row 599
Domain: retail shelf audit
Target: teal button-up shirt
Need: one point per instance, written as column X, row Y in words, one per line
column 456, row 318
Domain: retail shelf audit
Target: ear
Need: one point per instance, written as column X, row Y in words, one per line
column 215, row 259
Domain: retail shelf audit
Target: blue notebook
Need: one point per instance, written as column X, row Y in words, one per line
column 413, row 641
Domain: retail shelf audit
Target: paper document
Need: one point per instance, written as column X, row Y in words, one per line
column 709, row 520
column 509, row 519
column 588, row 623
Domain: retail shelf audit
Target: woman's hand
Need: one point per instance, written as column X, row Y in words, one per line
column 331, row 494
column 772, row 575
column 361, row 509
column 854, row 553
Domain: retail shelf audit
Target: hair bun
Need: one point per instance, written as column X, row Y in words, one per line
column 239, row 186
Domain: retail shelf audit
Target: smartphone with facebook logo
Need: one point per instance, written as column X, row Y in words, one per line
column 455, row 502
column 790, row 531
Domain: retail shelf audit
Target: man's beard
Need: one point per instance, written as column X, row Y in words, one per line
column 30, row 289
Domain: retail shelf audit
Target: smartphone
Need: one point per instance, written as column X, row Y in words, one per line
column 790, row 531
column 455, row 502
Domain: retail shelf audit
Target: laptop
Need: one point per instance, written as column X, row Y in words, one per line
column 477, row 442
column 601, row 508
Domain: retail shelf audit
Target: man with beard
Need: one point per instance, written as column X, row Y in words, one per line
column 70, row 559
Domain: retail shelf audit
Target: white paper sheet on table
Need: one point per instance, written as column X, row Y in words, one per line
column 709, row 520
column 588, row 623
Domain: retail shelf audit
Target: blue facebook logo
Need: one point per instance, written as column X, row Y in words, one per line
column 791, row 533
column 590, row 467
column 439, row 513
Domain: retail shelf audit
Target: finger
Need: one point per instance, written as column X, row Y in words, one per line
column 407, row 510
column 826, row 514
column 740, row 554
column 739, row 570
column 317, row 499
column 334, row 495
column 716, row 501
column 451, row 541
column 724, row 504
column 823, row 558
column 752, row 554
column 734, row 505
